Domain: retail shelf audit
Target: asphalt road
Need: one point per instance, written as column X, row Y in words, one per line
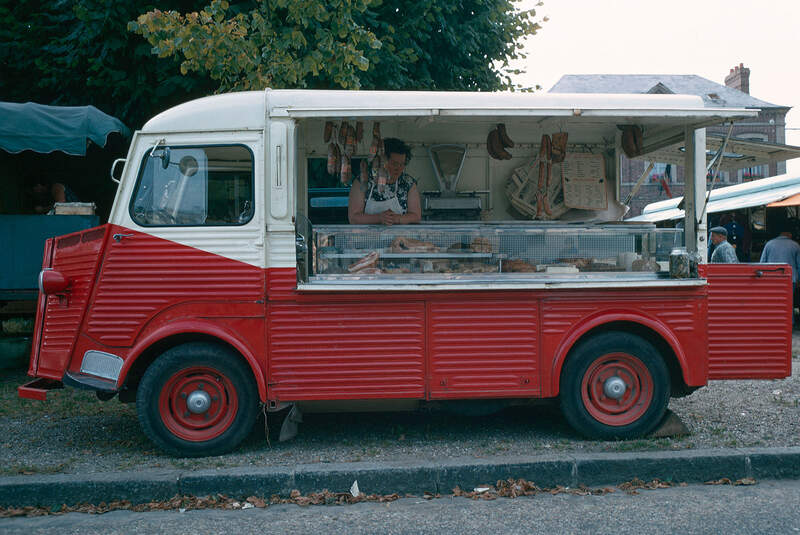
column 767, row 507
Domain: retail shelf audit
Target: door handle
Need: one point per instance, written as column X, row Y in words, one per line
column 761, row 272
column 118, row 237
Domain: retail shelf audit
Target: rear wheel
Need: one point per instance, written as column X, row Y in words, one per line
column 197, row 399
column 614, row 385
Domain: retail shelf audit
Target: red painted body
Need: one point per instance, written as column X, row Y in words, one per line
column 127, row 295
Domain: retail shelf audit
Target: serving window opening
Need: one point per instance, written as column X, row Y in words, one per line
column 543, row 209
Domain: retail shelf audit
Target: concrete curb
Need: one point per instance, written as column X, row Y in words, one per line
column 596, row 469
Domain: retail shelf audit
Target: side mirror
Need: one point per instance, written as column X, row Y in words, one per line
column 165, row 158
column 164, row 153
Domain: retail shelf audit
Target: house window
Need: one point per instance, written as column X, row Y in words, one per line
column 755, row 172
column 661, row 171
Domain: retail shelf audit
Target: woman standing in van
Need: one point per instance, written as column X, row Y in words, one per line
column 396, row 202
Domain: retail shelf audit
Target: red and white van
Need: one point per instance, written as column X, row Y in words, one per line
column 212, row 290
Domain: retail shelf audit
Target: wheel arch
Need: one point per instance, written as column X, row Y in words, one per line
column 665, row 342
column 147, row 350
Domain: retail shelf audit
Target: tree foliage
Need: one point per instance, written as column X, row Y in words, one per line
column 351, row 44
column 79, row 52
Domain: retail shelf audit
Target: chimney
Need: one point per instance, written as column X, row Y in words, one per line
column 739, row 78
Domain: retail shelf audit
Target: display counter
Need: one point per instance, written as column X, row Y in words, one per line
column 492, row 253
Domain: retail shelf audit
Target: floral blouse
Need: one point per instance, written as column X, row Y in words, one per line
column 401, row 188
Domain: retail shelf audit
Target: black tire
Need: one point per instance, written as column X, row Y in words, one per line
column 197, row 399
column 614, row 385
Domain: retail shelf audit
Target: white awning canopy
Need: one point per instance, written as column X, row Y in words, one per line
column 663, row 118
column 756, row 193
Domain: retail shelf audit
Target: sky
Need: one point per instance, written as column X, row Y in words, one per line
column 702, row 37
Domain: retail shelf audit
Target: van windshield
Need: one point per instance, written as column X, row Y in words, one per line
column 189, row 186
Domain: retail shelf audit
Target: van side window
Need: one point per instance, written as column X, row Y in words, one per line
column 191, row 186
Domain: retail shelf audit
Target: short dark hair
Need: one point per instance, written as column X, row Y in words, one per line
column 392, row 145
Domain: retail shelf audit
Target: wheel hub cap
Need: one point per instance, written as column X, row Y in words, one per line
column 617, row 389
column 614, row 387
column 198, row 402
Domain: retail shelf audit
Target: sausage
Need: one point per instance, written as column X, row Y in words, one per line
column 376, row 148
column 347, row 170
column 350, row 141
column 331, row 168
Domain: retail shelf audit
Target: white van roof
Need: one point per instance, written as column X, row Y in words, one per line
column 248, row 110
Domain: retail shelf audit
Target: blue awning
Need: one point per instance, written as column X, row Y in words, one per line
column 47, row 129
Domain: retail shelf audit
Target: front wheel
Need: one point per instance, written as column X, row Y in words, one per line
column 614, row 386
column 197, row 399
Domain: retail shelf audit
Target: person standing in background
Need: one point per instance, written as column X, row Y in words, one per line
column 782, row 249
column 724, row 253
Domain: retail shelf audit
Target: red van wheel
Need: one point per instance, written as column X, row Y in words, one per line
column 198, row 404
column 197, row 399
column 614, row 385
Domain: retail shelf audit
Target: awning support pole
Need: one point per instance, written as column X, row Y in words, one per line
column 638, row 184
column 695, row 226
column 714, row 176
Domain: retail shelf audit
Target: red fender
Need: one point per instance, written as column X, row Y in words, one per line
column 602, row 318
column 198, row 326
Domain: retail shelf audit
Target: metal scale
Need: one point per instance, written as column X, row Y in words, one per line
column 448, row 203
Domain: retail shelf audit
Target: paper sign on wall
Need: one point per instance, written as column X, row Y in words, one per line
column 584, row 180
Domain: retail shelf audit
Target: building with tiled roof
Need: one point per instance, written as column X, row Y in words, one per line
column 665, row 182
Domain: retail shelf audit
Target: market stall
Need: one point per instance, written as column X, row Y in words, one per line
column 528, row 182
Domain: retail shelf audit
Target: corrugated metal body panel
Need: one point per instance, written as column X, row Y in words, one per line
column 281, row 249
column 560, row 313
column 346, row 351
column 143, row 275
column 749, row 321
column 281, row 283
column 679, row 312
column 76, row 256
column 483, row 348
column 240, row 243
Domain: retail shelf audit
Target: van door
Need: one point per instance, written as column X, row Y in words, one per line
column 749, row 320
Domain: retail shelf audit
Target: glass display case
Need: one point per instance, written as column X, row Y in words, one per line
column 445, row 251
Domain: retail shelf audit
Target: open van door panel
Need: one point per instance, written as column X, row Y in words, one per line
column 749, row 321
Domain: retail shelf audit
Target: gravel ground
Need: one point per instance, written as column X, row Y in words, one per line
column 76, row 433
